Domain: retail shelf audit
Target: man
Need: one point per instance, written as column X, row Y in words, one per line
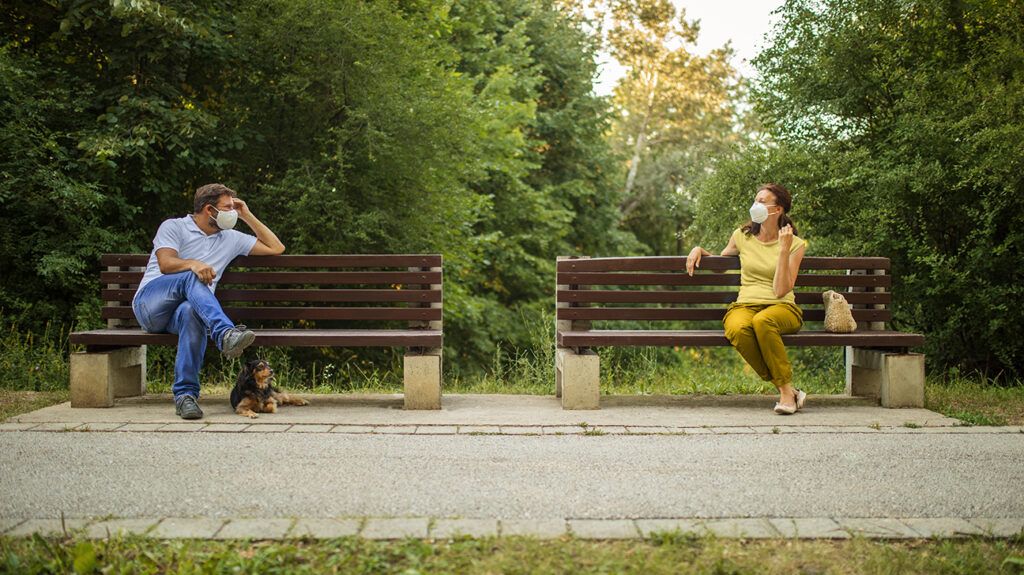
column 176, row 292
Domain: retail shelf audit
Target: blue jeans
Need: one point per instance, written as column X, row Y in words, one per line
column 181, row 304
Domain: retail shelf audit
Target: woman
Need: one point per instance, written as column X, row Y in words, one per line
column 770, row 254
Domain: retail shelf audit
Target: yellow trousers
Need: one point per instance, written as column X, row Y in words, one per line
column 756, row 332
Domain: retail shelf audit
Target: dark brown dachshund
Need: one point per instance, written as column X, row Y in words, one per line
column 253, row 392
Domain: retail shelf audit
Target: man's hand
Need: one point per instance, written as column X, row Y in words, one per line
column 786, row 238
column 204, row 272
column 242, row 208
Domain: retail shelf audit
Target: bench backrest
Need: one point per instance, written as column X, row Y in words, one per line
column 303, row 290
column 651, row 288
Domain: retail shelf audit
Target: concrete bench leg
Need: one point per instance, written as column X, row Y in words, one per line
column 578, row 377
column 99, row 377
column 422, row 375
column 897, row 379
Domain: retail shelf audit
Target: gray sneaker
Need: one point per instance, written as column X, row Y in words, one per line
column 235, row 341
column 185, row 407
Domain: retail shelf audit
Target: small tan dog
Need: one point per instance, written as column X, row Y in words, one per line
column 838, row 317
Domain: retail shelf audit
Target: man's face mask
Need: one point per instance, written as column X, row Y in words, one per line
column 226, row 219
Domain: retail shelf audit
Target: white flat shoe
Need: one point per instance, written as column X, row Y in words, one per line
column 784, row 409
column 801, row 397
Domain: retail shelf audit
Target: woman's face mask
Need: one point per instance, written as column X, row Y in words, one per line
column 226, row 219
column 759, row 212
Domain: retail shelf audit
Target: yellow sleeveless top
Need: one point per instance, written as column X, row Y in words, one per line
column 758, row 261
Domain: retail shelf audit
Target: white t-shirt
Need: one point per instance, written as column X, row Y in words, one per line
column 192, row 243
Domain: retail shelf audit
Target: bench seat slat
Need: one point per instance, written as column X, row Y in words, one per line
column 693, row 314
column 679, row 296
column 713, row 279
column 308, row 313
column 275, row 338
column 319, row 278
column 670, row 338
column 304, row 295
column 304, row 261
column 677, row 263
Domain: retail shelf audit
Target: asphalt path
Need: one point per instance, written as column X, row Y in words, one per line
column 511, row 477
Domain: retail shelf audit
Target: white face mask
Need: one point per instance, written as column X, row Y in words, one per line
column 226, row 219
column 759, row 212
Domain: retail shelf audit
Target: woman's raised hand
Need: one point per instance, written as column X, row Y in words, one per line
column 786, row 238
column 693, row 259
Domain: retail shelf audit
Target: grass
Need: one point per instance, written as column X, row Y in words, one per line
column 976, row 401
column 669, row 553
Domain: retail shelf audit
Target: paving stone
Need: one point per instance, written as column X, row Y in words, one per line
column 57, row 426
column 226, row 427
column 648, row 430
column 17, row 426
column 395, row 429
column 267, row 428
column 141, row 426
column 115, row 527
column 325, row 528
column 478, row 429
column 98, row 426
column 772, row 430
column 732, row 430
column 535, row 430
column 884, row 528
column 748, row 528
column 540, row 528
column 437, row 430
column 650, row 527
column 396, row 528
column 604, row 528
column 318, row 428
column 47, row 527
column 183, row 427
column 809, row 528
column 1000, row 527
column 186, row 528
column 6, row 524
column 452, row 528
column 563, row 430
column 942, row 526
column 611, row 429
column 694, row 431
column 255, row 528
column 352, row 429
column 815, row 429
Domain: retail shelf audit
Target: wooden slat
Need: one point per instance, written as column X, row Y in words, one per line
column 665, row 338
column 677, row 263
column 712, row 279
column 303, row 261
column 692, row 314
column 276, row 338
column 304, row 295
column 679, row 296
column 307, row 313
column 364, row 278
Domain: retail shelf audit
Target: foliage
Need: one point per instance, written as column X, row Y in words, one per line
column 899, row 126
column 468, row 129
column 676, row 116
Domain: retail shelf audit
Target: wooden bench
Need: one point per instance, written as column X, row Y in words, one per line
column 589, row 290
column 289, row 301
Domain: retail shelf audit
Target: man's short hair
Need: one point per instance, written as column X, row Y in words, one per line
column 210, row 194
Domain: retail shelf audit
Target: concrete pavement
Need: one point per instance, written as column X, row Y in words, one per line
column 504, row 465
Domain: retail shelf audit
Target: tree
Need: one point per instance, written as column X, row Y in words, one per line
column 900, row 128
column 677, row 113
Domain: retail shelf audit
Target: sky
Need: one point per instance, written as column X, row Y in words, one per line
column 744, row 22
